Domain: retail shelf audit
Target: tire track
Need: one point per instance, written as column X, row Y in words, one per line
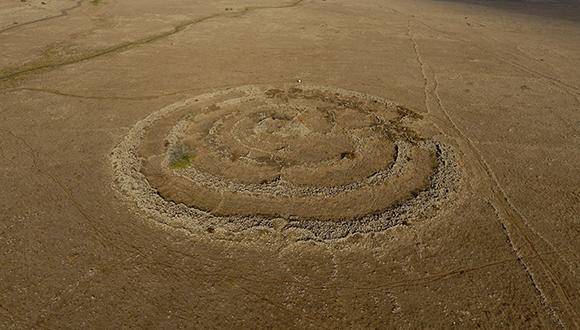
column 532, row 72
column 512, row 218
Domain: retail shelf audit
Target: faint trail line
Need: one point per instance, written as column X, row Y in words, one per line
column 35, row 166
column 523, row 264
column 106, row 51
column 126, row 98
column 529, row 146
column 88, row 97
column 562, row 85
column 56, row 302
column 421, row 65
column 513, row 216
column 5, row 111
column 63, row 12
column 524, row 68
column 568, row 88
column 12, row 316
column 143, row 41
column 511, row 212
column 68, row 195
column 279, row 306
column 571, row 89
column 404, row 283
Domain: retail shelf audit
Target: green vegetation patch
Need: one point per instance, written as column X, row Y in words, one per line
column 181, row 162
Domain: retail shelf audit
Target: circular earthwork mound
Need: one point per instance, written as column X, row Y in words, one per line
column 329, row 161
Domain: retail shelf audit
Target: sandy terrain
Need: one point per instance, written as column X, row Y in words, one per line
column 276, row 164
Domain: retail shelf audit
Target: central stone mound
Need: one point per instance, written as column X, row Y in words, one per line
column 329, row 161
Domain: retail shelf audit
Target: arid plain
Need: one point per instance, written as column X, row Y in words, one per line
column 303, row 164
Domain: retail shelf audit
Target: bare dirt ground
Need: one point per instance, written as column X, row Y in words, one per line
column 389, row 164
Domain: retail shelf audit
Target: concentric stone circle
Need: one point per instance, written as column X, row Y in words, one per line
column 327, row 161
